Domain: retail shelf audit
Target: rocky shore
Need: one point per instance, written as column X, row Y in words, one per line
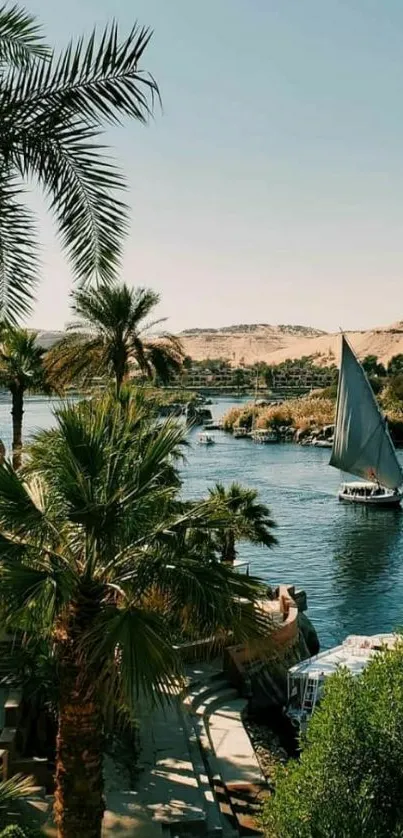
column 297, row 420
column 268, row 746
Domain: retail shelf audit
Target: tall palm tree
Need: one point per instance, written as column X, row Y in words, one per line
column 247, row 520
column 22, row 370
column 112, row 335
column 53, row 109
column 88, row 560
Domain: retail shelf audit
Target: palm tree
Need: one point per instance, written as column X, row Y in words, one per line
column 112, row 335
column 89, row 560
column 21, row 370
column 53, row 109
column 247, row 520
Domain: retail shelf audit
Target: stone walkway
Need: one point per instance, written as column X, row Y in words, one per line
column 167, row 786
column 233, row 749
column 191, row 751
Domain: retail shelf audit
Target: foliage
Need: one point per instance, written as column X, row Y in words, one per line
column 395, row 365
column 396, row 430
column 13, row 795
column 304, row 365
column 94, row 559
column 394, row 389
column 326, row 393
column 372, row 366
column 53, row 109
column 241, row 416
column 376, row 383
column 22, row 362
column 300, row 413
column 15, row 831
column 348, row 781
column 239, row 378
column 112, row 335
column 22, row 369
column 248, row 520
column 213, row 365
column 164, row 398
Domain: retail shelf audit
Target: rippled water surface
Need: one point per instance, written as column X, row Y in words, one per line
column 348, row 559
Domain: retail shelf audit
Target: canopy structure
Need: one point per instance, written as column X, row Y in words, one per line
column 362, row 445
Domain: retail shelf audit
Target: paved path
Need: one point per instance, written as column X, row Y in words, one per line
column 233, row 749
column 167, row 787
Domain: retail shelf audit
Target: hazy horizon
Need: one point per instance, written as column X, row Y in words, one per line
column 270, row 188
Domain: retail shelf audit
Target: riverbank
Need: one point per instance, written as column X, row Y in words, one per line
column 292, row 418
column 306, row 419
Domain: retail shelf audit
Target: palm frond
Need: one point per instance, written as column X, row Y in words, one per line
column 20, row 37
column 18, row 510
column 217, row 598
column 19, row 264
column 142, row 302
column 147, row 664
column 75, row 358
column 82, row 185
column 97, row 81
column 13, row 794
column 165, row 356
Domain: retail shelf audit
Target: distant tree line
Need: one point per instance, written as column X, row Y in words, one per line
column 296, row 372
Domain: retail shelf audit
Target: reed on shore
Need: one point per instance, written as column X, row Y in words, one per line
column 300, row 414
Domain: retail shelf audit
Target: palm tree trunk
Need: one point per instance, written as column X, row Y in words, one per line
column 119, row 378
column 17, row 412
column 120, row 367
column 229, row 552
column 79, row 804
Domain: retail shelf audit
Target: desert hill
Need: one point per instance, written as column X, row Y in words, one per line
column 275, row 344
column 247, row 344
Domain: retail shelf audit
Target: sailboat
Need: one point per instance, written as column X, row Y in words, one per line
column 362, row 444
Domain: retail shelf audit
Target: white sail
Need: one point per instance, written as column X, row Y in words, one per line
column 362, row 444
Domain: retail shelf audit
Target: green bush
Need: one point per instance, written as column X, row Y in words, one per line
column 349, row 779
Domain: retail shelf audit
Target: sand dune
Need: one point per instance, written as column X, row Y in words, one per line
column 275, row 344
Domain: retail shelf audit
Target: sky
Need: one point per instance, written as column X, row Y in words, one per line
column 269, row 189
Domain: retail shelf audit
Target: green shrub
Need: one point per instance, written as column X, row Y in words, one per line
column 348, row 781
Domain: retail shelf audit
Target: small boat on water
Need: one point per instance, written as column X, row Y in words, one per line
column 306, row 679
column 322, row 443
column 239, row 432
column 213, row 425
column 362, row 444
column 263, row 437
column 205, row 439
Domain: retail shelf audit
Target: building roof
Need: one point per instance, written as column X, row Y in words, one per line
column 354, row 653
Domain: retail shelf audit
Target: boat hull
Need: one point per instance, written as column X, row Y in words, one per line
column 386, row 499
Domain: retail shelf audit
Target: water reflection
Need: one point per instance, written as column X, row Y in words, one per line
column 367, row 547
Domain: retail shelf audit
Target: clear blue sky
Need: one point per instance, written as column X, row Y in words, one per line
column 271, row 187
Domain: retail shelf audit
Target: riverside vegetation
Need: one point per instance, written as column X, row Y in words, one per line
column 348, row 780
column 317, row 410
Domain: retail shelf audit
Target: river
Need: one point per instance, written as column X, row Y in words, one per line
column 348, row 559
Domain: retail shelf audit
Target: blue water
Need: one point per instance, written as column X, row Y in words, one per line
column 348, row 559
